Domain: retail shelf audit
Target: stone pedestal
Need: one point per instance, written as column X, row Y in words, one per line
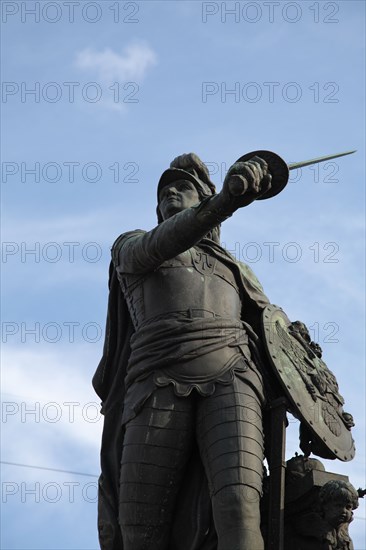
column 318, row 507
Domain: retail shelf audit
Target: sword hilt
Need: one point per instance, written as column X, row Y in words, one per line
column 277, row 168
column 280, row 170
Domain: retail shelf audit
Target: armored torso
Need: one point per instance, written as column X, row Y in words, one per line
column 187, row 319
column 193, row 284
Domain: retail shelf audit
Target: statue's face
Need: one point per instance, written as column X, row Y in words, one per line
column 177, row 196
column 337, row 512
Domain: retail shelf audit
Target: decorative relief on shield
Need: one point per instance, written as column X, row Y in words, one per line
column 297, row 356
column 310, row 386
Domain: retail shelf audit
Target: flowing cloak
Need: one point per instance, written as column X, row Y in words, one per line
column 193, row 527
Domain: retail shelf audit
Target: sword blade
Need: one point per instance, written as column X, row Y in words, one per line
column 296, row 165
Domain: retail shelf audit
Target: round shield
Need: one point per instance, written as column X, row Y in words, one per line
column 309, row 385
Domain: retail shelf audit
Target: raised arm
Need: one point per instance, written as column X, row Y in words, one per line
column 141, row 252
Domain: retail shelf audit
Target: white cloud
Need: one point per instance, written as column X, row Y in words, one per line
column 39, row 387
column 132, row 64
column 41, row 428
column 109, row 67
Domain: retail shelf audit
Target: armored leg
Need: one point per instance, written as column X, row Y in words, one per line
column 157, row 446
column 229, row 435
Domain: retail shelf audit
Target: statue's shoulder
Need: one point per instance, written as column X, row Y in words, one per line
column 121, row 239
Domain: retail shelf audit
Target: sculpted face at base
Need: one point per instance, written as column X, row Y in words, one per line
column 177, row 196
column 338, row 512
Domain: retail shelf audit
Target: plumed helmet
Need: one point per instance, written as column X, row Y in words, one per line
column 191, row 168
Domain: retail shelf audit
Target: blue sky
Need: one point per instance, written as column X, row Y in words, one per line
column 115, row 101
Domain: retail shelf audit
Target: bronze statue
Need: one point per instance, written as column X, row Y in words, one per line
column 184, row 378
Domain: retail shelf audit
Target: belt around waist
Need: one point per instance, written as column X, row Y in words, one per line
column 189, row 314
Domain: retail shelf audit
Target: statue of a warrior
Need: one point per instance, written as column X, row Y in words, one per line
column 184, row 378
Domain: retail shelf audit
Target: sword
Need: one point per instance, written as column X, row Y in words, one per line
column 296, row 165
column 279, row 169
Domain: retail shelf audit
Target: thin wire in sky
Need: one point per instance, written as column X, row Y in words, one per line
column 50, row 469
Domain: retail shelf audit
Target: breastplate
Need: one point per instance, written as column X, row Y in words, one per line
column 191, row 283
